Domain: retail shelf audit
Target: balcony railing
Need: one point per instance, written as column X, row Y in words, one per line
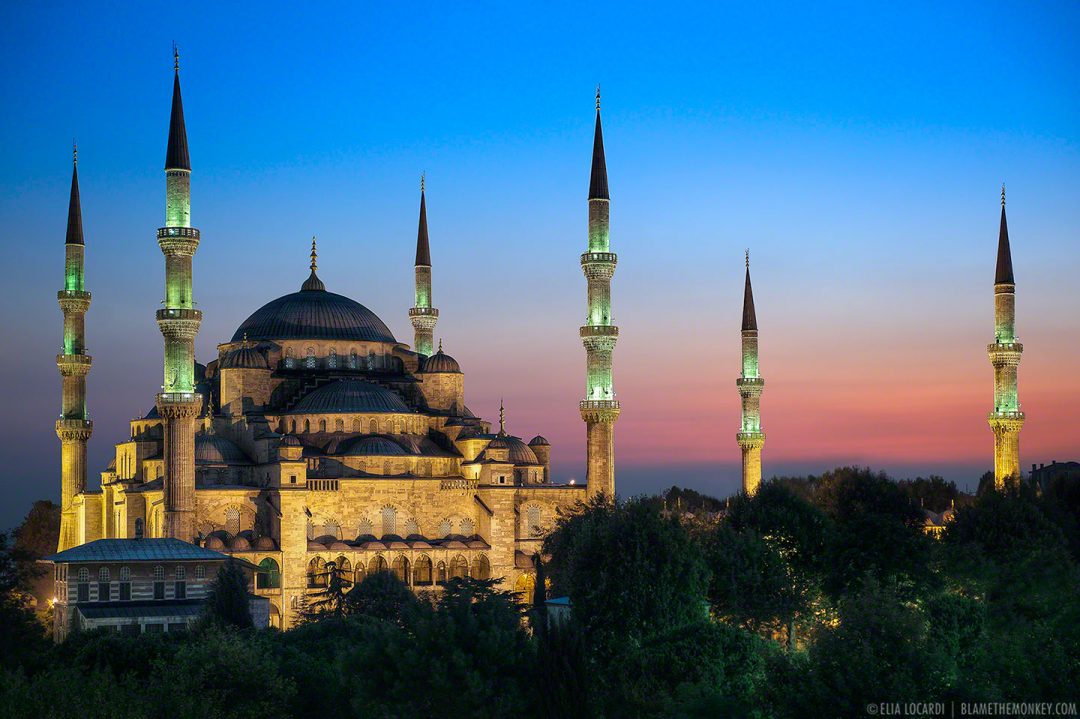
column 599, row 404
column 322, row 485
column 178, row 232
column 606, row 257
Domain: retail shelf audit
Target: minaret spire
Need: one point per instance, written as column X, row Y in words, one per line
column 313, row 283
column 750, row 437
column 74, row 426
column 423, row 315
column 502, row 418
column 599, row 409
column 1007, row 419
column 178, row 403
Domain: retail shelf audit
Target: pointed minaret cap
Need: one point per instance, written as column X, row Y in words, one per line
column 176, row 157
column 74, row 226
column 423, row 250
column 598, row 189
column 502, row 418
column 749, row 317
column 313, row 283
column 1004, row 274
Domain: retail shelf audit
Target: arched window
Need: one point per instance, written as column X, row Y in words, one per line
column 290, row 361
column 389, row 521
column 331, row 359
column 481, row 568
column 84, row 585
column 365, row 528
column 125, row 574
column 103, row 586
column 378, row 564
column 138, row 527
column 332, row 528
column 103, row 574
column 316, row 573
column 422, row 571
column 373, row 427
column 440, row 573
column 401, row 568
column 307, row 426
column 125, row 584
column 292, row 426
column 358, row 573
column 159, row 582
column 322, row 425
column 232, row 521
column 339, row 425
column 459, row 568
column 353, row 360
column 444, row 528
column 356, row 426
column 467, row 527
column 344, row 565
column 269, row 575
column 179, row 585
column 309, row 360
column 411, row 528
column 371, row 359
column 200, row 572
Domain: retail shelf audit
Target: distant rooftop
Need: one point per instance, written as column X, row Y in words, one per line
column 136, row 550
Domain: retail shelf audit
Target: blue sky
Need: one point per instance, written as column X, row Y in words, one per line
column 857, row 148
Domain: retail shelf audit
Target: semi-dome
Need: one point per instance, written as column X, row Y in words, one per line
column 441, row 362
column 539, row 441
column 244, row 358
column 349, row 395
column 520, row 453
column 376, row 447
column 212, row 449
column 314, row 313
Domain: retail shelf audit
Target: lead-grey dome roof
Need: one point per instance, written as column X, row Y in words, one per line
column 212, row 449
column 349, row 395
column 314, row 313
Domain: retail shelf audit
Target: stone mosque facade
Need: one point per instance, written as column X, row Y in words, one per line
column 315, row 436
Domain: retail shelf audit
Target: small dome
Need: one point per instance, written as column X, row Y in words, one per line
column 349, row 395
column 211, row 449
column 313, row 546
column 244, row 358
column 239, row 544
column 375, row 447
column 265, row 544
column 520, row 452
column 290, row 440
column 441, row 362
column 499, row 442
column 339, row 546
column 539, row 441
column 214, row 543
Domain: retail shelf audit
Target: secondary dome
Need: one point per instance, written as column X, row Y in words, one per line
column 520, row 453
column 244, row 358
column 211, row 449
column 314, row 313
column 376, row 447
column 349, row 395
column 441, row 362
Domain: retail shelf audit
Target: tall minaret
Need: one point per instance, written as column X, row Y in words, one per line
column 1006, row 420
column 179, row 321
column 599, row 409
column 750, row 437
column 74, row 426
column 423, row 315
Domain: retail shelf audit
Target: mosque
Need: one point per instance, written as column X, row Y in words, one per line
column 316, row 436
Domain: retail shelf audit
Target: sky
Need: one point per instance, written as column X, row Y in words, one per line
column 857, row 150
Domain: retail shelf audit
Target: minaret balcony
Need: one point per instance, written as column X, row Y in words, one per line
column 73, row 300
column 74, row 430
column 599, row 404
column 598, row 331
column 73, row 365
column 187, row 232
column 596, row 258
column 1007, row 415
column 422, row 311
column 73, row 295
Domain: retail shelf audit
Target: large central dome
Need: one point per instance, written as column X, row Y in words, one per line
column 313, row 313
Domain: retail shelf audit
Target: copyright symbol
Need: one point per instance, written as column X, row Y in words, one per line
column 872, row 709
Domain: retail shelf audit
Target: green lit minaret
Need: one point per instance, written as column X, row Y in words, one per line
column 750, row 437
column 599, row 409
column 423, row 316
column 1006, row 420
column 179, row 321
column 74, row 426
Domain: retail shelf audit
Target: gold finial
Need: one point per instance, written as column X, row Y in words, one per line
column 176, row 57
column 598, row 97
column 440, row 344
column 422, row 182
column 502, row 417
column 74, row 152
column 314, row 255
column 1002, row 194
column 748, row 258
column 245, row 339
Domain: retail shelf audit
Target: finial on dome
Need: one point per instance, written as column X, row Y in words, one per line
column 314, row 255
column 1002, row 194
column 598, row 97
column 313, row 283
column 440, row 344
column 502, row 417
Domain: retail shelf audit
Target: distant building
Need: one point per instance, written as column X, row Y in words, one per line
column 934, row 523
column 1044, row 474
column 133, row 586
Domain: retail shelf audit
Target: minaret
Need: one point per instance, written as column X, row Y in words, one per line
column 1006, row 420
column 423, row 315
column 179, row 321
column 599, row 409
column 750, row 437
column 74, row 426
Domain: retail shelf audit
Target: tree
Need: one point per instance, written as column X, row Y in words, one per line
column 35, row 538
column 538, row 615
column 629, row 572
column 329, row 601
column 22, row 637
column 227, row 602
column 381, row 595
column 932, row 493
